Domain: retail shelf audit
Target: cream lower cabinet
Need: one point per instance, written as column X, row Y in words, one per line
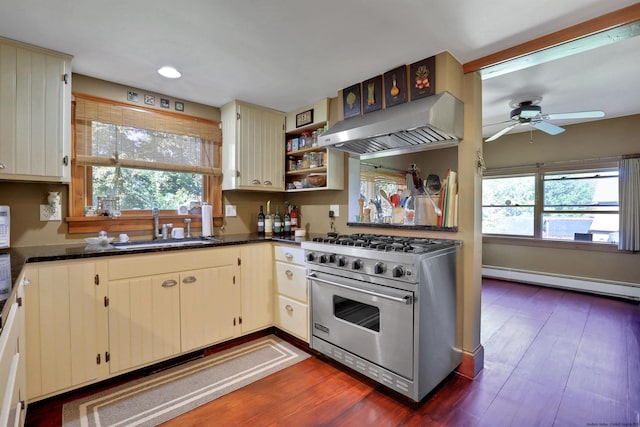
column 206, row 313
column 292, row 303
column 66, row 325
column 257, row 287
column 12, row 363
column 189, row 305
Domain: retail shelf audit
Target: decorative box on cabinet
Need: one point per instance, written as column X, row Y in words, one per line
column 35, row 113
column 253, row 151
column 292, row 304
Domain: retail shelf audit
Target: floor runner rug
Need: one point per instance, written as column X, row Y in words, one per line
column 165, row 395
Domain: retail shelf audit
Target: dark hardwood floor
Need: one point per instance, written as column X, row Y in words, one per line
column 552, row 358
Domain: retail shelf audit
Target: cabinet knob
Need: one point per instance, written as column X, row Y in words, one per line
column 267, row 182
column 256, row 182
column 2, row 166
column 189, row 279
column 289, row 273
column 288, row 308
column 288, row 255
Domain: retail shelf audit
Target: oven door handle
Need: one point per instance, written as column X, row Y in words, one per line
column 403, row 300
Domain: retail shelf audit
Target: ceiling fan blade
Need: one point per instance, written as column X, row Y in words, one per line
column 547, row 127
column 502, row 132
column 576, row 115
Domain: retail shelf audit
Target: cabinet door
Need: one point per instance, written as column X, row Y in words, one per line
column 63, row 326
column 144, row 320
column 12, row 368
column 256, row 272
column 206, row 311
column 273, row 150
column 254, row 147
column 35, row 114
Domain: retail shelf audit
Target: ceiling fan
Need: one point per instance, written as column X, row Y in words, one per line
column 528, row 112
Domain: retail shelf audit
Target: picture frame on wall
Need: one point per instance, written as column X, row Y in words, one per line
column 372, row 94
column 395, row 86
column 351, row 101
column 304, row 118
column 422, row 78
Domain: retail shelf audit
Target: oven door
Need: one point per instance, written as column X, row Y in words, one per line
column 371, row 321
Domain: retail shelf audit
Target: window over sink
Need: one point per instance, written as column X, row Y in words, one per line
column 136, row 159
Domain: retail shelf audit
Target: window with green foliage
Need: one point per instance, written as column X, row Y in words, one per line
column 508, row 205
column 560, row 204
column 143, row 158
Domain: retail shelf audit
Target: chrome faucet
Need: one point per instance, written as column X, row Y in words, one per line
column 156, row 220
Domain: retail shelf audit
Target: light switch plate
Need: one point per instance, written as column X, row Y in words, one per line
column 48, row 214
column 230, row 210
column 335, row 209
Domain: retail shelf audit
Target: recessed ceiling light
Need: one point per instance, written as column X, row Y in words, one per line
column 169, row 72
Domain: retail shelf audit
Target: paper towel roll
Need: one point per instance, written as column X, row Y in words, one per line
column 207, row 220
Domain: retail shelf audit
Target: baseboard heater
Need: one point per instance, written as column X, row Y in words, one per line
column 604, row 287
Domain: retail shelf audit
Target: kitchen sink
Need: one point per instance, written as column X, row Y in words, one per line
column 151, row 244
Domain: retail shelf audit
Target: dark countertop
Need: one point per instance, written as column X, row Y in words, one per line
column 29, row 254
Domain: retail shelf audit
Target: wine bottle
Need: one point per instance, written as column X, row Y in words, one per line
column 268, row 221
column 294, row 219
column 286, row 228
column 277, row 221
column 261, row 222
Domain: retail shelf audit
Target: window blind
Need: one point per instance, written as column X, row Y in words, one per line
column 112, row 134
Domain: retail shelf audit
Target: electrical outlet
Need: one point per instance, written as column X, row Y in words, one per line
column 230, row 210
column 48, row 214
column 335, row 209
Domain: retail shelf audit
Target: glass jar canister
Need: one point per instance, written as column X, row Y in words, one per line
column 306, row 161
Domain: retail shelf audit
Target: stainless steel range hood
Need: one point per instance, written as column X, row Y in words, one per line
column 431, row 122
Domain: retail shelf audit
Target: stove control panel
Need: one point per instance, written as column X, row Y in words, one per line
column 374, row 267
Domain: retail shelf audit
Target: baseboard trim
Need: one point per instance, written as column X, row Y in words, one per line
column 604, row 287
column 472, row 363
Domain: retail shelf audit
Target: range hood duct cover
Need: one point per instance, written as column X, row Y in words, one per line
column 430, row 122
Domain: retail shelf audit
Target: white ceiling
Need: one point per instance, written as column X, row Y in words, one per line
column 288, row 54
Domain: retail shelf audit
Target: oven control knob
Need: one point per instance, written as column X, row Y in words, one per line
column 323, row 259
column 379, row 268
column 398, row 271
column 332, row 258
column 342, row 261
column 311, row 257
column 356, row 264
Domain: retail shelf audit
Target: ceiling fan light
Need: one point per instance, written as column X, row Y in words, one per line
column 169, row 72
column 530, row 111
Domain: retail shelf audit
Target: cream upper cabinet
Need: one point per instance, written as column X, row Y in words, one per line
column 253, row 147
column 66, row 325
column 35, row 113
column 257, row 287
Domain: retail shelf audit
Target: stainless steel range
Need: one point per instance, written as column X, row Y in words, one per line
column 386, row 307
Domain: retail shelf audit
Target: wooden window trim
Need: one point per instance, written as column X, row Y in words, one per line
column 139, row 220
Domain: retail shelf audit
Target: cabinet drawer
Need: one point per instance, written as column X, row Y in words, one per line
column 288, row 253
column 293, row 317
column 291, row 281
column 151, row 264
